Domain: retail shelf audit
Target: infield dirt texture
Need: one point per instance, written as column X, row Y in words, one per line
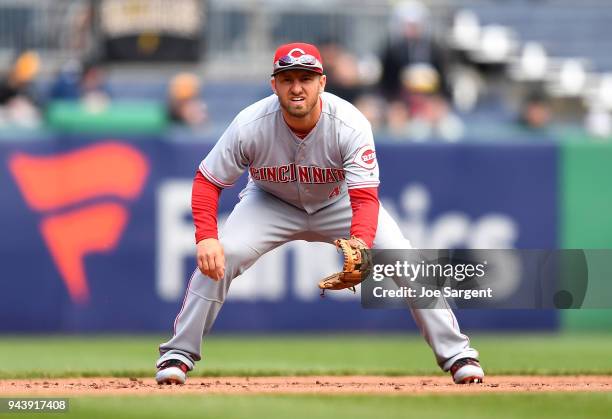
column 71, row 387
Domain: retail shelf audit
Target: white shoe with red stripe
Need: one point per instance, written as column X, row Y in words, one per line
column 172, row 368
column 467, row 371
column 172, row 371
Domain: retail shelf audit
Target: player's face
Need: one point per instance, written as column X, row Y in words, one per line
column 298, row 91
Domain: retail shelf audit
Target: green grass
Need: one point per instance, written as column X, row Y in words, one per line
column 134, row 356
column 500, row 406
column 72, row 356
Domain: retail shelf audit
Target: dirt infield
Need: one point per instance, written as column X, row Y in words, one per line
column 302, row 385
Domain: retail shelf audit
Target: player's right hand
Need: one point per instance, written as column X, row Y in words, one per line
column 210, row 258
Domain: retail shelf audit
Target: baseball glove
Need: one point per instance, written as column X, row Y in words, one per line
column 356, row 267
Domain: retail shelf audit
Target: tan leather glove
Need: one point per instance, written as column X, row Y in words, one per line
column 355, row 269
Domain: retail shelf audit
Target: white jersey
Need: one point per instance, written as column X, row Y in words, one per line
column 310, row 173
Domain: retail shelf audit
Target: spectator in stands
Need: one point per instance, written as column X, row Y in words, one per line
column 598, row 122
column 429, row 113
column 397, row 119
column 410, row 44
column 373, row 108
column 342, row 71
column 95, row 93
column 81, row 81
column 18, row 105
column 184, row 103
column 66, row 85
column 535, row 113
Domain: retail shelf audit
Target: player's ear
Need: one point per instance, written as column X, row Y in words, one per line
column 273, row 84
column 322, row 82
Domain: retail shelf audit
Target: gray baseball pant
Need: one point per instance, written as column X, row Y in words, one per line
column 261, row 222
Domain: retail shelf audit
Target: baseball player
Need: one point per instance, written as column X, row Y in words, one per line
column 313, row 175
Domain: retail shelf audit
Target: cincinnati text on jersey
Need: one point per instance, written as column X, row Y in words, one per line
column 292, row 173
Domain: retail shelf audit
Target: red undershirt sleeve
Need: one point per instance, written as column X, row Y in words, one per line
column 364, row 202
column 204, row 206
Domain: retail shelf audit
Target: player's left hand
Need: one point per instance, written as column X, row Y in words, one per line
column 356, row 265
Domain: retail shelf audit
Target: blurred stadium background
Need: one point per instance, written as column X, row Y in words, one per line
column 492, row 120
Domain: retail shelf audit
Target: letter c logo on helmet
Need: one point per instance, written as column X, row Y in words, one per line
column 300, row 50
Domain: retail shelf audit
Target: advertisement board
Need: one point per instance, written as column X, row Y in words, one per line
column 97, row 235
